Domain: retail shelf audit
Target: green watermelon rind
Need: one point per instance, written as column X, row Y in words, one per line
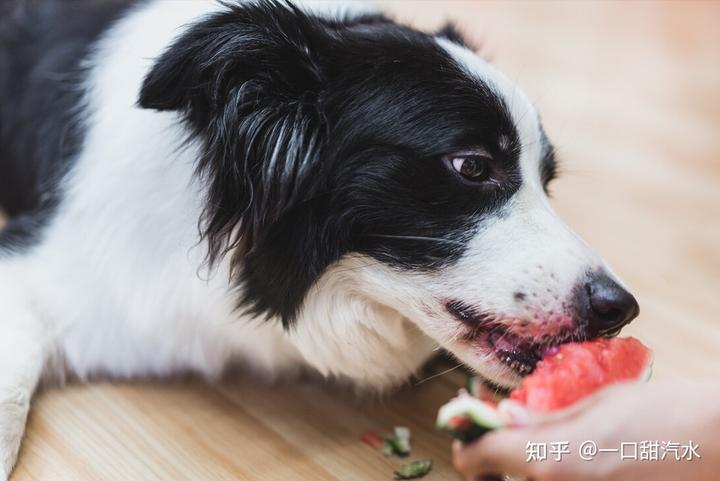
column 648, row 371
column 398, row 443
column 483, row 417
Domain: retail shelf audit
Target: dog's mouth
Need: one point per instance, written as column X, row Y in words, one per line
column 515, row 343
column 522, row 354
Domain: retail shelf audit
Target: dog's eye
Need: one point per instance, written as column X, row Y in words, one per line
column 473, row 165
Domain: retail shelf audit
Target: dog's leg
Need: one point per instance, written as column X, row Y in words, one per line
column 23, row 347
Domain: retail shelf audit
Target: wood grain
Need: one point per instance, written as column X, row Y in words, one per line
column 630, row 93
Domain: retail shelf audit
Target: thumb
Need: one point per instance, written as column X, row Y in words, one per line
column 496, row 453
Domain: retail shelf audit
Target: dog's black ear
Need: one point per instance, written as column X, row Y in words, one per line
column 247, row 81
column 238, row 52
column 450, row 32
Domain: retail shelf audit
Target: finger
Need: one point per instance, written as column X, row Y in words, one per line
column 496, row 453
column 515, row 414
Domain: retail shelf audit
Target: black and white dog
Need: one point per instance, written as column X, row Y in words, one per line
column 193, row 183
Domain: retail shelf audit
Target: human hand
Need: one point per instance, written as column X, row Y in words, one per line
column 668, row 411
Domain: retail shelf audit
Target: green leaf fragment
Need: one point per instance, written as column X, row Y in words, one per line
column 415, row 469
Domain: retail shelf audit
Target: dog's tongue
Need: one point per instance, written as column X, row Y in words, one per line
column 507, row 342
column 550, row 351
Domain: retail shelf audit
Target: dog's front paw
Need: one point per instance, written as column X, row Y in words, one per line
column 13, row 414
column 9, row 448
column 8, row 455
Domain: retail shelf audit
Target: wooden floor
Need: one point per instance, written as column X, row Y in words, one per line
column 630, row 93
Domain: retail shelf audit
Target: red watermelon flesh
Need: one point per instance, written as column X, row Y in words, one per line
column 577, row 370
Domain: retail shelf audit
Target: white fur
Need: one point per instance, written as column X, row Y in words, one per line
column 23, row 351
column 117, row 284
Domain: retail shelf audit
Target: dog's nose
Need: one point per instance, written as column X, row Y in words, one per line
column 608, row 306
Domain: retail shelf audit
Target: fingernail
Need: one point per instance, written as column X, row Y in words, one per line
column 514, row 413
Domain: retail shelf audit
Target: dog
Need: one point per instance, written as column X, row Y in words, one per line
column 292, row 187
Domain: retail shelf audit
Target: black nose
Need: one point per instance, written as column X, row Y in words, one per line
column 608, row 306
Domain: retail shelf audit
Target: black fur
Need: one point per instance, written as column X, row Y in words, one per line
column 548, row 162
column 322, row 138
column 42, row 43
column 450, row 32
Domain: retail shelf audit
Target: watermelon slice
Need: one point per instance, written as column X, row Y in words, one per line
column 577, row 370
column 564, row 376
column 372, row 439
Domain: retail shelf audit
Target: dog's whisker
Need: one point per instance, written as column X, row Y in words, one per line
column 420, row 238
column 438, row 374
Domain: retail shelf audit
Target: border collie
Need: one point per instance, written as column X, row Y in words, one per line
column 287, row 186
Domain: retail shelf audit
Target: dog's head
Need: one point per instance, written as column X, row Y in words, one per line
column 354, row 155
